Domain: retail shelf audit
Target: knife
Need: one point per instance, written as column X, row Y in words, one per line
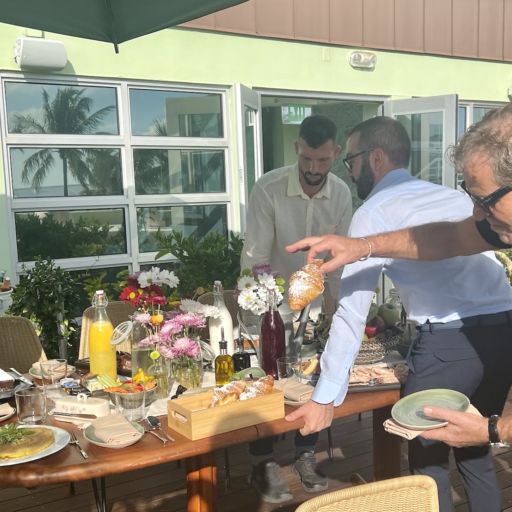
column 21, row 377
column 73, row 415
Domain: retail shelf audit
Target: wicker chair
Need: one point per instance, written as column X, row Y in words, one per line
column 20, row 347
column 118, row 312
column 404, row 494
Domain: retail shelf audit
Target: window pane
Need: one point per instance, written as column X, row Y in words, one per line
column 426, row 132
column 70, row 233
column 54, row 108
column 178, row 171
column 479, row 112
column 176, row 114
column 197, row 220
column 62, row 172
column 461, row 121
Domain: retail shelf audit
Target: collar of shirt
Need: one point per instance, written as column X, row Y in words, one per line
column 295, row 188
column 392, row 178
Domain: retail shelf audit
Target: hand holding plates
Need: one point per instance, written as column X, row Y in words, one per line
column 408, row 411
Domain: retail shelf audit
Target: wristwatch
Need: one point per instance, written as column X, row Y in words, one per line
column 494, row 436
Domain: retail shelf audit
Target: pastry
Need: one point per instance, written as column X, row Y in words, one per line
column 241, row 390
column 305, row 285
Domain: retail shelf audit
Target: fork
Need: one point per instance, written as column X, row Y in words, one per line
column 74, row 441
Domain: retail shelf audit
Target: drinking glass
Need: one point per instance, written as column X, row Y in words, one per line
column 288, row 367
column 52, row 372
column 130, row 405
column 30, row 405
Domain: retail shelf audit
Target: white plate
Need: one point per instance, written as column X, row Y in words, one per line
column 90, row 436
column 8, row 415
column 61, row 440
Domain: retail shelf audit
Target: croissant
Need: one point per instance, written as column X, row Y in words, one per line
column 305, row 285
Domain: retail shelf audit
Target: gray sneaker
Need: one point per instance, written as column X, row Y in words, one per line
column 266, row 480
column 305, row 467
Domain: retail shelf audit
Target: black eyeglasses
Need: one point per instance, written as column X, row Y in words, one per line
column 348, row 159
column 487, row 202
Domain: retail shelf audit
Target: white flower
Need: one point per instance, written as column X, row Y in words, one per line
column 156, row 276
column 192, row 306
column 246, row 282
column 267, row 281
column 169, row 278
column 144, row 279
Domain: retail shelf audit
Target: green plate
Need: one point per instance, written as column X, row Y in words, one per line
column 408, row 411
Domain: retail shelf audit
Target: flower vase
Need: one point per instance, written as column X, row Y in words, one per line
column 272, row 338
column 140, row 355
column 187, row 371
column 160, row 371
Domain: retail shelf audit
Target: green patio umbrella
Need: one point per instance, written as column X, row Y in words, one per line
column 113, row 21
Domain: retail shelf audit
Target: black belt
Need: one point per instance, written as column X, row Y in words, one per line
column 505, row 317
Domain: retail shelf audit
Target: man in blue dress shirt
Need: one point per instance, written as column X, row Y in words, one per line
column 461, row 304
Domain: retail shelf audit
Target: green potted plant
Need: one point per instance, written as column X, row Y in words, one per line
column 49, row 297
column 202, row 260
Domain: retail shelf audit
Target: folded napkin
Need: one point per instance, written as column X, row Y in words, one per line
column 391, row 426
column 5, row 409
column 294, row 389
column 114, row 429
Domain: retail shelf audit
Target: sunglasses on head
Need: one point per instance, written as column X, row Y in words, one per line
column 487, row 202
column 347, row 161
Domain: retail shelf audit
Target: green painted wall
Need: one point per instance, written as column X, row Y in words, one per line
column 195, row 57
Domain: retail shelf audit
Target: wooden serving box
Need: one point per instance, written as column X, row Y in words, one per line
column 192, row 417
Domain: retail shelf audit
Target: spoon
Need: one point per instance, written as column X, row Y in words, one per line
column 156, row 425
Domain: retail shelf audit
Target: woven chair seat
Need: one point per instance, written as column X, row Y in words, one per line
column 20, row 346
column 404, row 494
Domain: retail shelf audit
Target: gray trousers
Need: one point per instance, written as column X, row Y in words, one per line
column 476, row 361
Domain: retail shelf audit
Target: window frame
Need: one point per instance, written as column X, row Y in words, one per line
column 125, row 142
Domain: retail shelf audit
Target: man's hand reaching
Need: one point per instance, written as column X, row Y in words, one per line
column 343, row 250
column 316, row 416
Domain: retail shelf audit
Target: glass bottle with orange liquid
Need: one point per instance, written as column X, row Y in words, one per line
column 102, row 354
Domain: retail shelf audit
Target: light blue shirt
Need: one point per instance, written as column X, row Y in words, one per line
column 439, row 291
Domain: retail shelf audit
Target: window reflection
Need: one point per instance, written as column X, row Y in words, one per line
column 178, row 171
column 197, row 220
column 70, row 233
column 62, row 172
column 175, row 113
column 426, row 133
column 65, row 109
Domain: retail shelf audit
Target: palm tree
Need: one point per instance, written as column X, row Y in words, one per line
column 68, row 113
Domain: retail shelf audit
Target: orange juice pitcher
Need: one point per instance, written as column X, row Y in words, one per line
column 102, row 354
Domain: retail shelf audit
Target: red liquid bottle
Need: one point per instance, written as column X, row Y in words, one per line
column 272, row 339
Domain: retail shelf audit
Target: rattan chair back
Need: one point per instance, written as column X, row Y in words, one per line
column 415, row 493
column 20, row 346
column 118, row 311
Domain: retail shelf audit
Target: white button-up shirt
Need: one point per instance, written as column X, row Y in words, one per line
column 439, row 291
column 280, row 213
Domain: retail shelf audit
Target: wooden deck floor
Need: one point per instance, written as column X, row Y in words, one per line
column 161, row 489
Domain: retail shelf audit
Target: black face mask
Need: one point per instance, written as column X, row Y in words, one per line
column 366, row 180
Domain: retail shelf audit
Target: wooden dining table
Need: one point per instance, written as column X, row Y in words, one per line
column 67, row 465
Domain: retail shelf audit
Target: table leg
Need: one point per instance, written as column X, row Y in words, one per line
column 202, row 483
column 100, row 495
column 386, row 447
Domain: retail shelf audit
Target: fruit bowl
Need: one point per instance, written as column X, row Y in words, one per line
column 130, row 394
column 375, row 349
